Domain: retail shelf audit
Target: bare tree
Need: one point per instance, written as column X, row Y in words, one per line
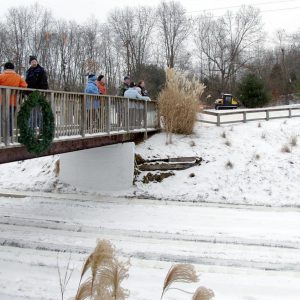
column 225, row 44
column 133, row 29
column 174, row 27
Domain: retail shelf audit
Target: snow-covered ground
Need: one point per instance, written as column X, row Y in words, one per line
column 261, row 174
column 239, row 226
column 241, row 252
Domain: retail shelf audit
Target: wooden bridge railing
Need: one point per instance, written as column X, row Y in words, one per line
column 245, row 115
column 79, row 114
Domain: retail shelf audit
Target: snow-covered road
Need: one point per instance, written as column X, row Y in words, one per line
column 242, row 252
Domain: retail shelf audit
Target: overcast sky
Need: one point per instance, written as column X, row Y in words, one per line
column 277, row 14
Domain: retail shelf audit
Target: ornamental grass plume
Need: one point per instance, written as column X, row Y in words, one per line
column 178, row 103
column 202, row 293
column 179, row 273
column 107, row 274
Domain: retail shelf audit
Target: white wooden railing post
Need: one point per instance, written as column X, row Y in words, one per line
column 127, row 115
column 218, row 120
column 108, row 125
column 6, row 120
column 244, row 117
column 145, row 118
column 83, row 116
column 267, row 115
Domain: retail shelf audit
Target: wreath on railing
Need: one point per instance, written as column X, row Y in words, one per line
column 36, row 139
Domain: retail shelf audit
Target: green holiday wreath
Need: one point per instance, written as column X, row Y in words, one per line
column 36, row 144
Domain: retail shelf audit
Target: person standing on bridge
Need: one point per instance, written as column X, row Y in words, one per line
column 92, row 102
column 124, row 86
column 136, row 108
column 101, row 85
column 36, row 76
column 10, row 78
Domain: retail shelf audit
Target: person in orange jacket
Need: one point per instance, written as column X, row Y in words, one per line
column 101, row 85
column 10, row 78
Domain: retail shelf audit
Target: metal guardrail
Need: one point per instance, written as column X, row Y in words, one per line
column 79, row 114
column 245, row 115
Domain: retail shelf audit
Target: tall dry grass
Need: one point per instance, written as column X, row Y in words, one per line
column 178, row 103
column 106, row 276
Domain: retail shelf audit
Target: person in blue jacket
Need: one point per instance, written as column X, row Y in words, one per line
column 92, row 103
column 91, row 88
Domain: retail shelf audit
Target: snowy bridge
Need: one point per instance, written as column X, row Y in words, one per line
column 82, row 121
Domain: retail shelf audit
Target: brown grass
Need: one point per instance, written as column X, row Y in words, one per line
column 178, row 103
column 179, row 273
column 286, row 149
column 228, row 143
column 223, row 135
column 57, row 168
column 107, row 274
column 229, row 165
column 203, row 293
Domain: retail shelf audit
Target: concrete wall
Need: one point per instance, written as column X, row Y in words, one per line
column 108, row 168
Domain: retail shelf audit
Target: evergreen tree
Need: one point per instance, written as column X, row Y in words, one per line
column 252, row 92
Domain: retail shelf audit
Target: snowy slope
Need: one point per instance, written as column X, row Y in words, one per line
column 262, row 174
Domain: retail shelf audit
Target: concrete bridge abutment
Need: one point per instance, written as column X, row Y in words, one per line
column 109, row 168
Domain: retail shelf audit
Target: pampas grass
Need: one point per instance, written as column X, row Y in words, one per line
column 203, row 293
column 178, row 103
column 107, row 274
column 179, row 273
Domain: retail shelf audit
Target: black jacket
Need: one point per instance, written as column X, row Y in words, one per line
column 36, row 78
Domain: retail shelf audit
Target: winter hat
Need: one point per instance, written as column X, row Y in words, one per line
column 32, row 57
column 126, row 78
column 100, row 77
column 9, row 66
column 92, row 77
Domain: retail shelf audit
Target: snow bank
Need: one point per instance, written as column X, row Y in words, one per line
column 262, row 174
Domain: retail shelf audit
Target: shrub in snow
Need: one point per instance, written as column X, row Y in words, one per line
column 223, row 135
column 252, row 92
column 178, row 103
column 259, row 125
column 192, row 143
column 294, row 141
column 257, row 156
column 286, row 149
column 263, row 135
column 229, row 165
column 228, row 143
column 192, row 175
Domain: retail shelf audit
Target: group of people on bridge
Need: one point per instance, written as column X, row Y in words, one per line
column 36, row 78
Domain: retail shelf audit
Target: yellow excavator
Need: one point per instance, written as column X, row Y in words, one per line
column 227, row 102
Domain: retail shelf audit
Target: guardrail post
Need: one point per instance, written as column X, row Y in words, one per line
column 290, row 112
column 244, row 117
column 267, row 115
column 83, row 116
column 145, row 118
column 218, row 120
column 108, row 125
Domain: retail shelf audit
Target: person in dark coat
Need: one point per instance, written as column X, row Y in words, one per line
column 36, row 76
column 124, row 86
